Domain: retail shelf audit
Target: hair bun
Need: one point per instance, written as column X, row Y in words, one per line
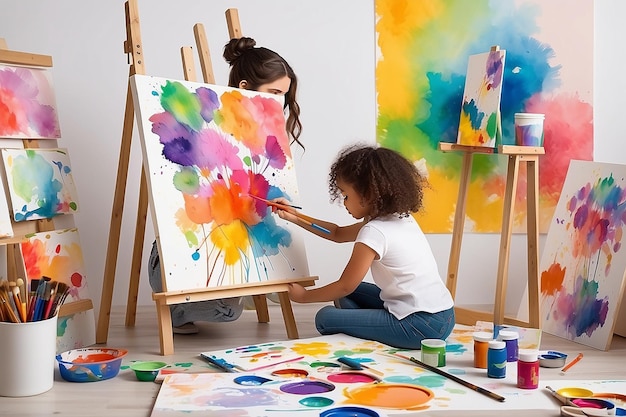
column 237, row 47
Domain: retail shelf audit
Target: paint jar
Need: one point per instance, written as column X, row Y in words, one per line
column 28, row 353
column 529, row 129
column 496, row 359
column 481, row 346
column 434, row 352
column 511, row 338
column 528, row 369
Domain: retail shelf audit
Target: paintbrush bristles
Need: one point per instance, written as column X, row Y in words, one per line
column 43, row 302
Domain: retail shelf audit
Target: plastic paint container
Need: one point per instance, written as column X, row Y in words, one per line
column 528, row 370
column 529, row 129
column 434, row 352
column 481, row 346
column 496, row 359
column 349, row 412
column 512, row 345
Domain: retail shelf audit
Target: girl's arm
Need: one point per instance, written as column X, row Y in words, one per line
column 339, row 234
column 354, row 272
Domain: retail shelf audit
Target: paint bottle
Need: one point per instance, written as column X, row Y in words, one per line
column 528, row 369
column 510, row 337
column 481, row 346
column 496, row 359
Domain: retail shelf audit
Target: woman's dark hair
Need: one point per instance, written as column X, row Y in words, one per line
column 387, row 180
column 260, row 66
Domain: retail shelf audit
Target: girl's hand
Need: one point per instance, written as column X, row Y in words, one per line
column 284, row 212
column 297, row 293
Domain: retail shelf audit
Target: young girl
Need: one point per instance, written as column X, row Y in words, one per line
column 408, row 301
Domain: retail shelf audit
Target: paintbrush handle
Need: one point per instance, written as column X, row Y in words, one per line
column 468, row 384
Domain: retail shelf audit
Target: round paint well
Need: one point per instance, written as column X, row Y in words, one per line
column 291, row 373
column 398, row 396
column 307, row 387
column 147, row 371
column 316, row 401
column 349, row 412
column 251, row 380
column 573, row 392
column 351, row 378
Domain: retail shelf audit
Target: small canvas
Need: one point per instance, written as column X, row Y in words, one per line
column 58, row 255
column 40, row 182
column 209, row 151
column 480, row 112
column 583, row 266
column 27, row 104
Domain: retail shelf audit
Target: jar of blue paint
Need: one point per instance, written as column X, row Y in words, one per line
column 496, row 359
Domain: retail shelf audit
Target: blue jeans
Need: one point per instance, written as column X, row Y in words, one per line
column 362, row 315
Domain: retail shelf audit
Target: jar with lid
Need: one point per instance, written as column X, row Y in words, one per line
column 528, row 369
column 496, row 359
column 481, row 345
column 510, row 337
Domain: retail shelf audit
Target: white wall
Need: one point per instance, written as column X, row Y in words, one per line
column 330, row 44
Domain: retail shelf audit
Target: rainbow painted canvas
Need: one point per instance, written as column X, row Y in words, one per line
column 208, row 151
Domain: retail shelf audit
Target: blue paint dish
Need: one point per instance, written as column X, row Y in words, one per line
column 251, row 380
column 349, row 412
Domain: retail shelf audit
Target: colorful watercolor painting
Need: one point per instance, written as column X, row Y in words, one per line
column 27, row 104
column 210, row 153
column 480, row 110
column 318, row 382
column 583, row 267
column 40, row 183
column 58, row 255
column 422, row 55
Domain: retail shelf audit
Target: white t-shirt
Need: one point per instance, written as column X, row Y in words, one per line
column 406, row 271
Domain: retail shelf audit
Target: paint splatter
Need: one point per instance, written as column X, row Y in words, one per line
column 420, row 76
column 220, row 170
column 27, row 105
column 594, row 225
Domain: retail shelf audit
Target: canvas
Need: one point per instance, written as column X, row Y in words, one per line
column 27, row 103
column 583, row 266
column 480, row 111
column 58, row 255
column 6, row 227
column 41, row 183
column 422, row 56
column 209, row 153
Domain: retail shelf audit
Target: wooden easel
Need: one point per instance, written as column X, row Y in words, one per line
column 516, row 155
column 15, row 263
column 163, row 300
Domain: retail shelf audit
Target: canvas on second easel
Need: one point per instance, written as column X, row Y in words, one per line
column 583, row 267
column 480, row 109
column 207, row 150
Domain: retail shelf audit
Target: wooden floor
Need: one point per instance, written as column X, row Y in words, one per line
column 127, row 397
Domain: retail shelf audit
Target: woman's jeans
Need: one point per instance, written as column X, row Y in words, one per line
column 362, row 315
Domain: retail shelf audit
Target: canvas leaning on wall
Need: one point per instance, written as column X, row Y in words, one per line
column 208, row 152
column 583, row 267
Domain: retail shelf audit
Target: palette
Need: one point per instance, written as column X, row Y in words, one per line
column 318, row 383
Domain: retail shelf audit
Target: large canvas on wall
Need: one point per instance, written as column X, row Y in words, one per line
column 422, row 54
column 583, row 266
column 58, row 254
column 27, row 103
column 41, row 183
column 209, row 151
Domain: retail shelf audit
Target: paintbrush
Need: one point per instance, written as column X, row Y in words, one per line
column 304, row 218
column 354, row 364
column 24, row 298
column 455, row 378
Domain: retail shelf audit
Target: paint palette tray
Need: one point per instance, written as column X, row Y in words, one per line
column 90, row 364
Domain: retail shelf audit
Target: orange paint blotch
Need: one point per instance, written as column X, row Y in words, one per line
column 198, row 208
column 552, row 279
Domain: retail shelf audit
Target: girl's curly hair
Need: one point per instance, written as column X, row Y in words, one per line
column 387, row 180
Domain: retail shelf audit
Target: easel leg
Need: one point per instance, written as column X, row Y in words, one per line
column 135, row 269
column 459, row 225
column 166, row 337
column 260, row 303
column 505, row 240
column 290, row 321
column 532, row 191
